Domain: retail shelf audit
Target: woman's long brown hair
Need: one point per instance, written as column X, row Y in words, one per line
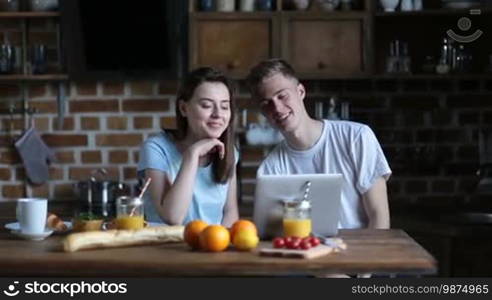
column 222, row 168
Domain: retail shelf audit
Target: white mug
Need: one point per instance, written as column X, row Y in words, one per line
column 31, row 215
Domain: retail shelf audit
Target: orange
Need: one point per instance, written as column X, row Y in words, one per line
column 214, row 238
column 192, row 233
column 245, row 239
column 242, row 224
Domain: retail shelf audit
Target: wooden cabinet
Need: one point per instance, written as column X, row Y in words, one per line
column 322, row 45
column 318, row 44
column 233, row 44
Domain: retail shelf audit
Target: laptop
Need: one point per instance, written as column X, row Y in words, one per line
column 272, row 190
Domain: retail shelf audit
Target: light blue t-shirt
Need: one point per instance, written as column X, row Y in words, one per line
column 159, row 152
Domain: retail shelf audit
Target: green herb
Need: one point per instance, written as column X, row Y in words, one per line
column 88, row 216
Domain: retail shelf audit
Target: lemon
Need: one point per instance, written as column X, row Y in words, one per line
column 245, row 240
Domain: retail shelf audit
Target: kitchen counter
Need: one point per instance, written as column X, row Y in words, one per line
column 368, row 251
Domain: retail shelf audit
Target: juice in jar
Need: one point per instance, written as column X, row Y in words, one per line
column 297, row 227
column 130, row 222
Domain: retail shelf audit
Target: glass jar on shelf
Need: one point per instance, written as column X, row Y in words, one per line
column 9, row 5
column 297, row 218
column 43, row 5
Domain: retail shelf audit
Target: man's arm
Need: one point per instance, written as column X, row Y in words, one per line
column 375, row 202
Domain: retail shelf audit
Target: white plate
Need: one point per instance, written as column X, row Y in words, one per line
column 33, row 236
column 16, row 227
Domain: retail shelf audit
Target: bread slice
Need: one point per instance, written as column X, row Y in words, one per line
column 121, row 238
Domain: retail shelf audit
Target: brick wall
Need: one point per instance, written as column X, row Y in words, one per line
column 429, row 132
column 428, row 129
column 104, row 125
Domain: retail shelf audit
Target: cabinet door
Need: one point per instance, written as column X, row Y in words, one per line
column 232, row 45
column 324, row 47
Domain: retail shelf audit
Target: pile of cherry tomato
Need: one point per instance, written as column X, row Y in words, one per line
column 292, row 242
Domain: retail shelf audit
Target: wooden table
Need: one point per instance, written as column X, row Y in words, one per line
column 375, row 251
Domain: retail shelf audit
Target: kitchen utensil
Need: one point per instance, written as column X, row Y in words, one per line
column 336, row 243
column 97, row 195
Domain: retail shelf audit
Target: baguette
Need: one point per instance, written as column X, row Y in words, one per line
column 121, row 238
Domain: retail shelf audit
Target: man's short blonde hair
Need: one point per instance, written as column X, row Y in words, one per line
column 267, row 69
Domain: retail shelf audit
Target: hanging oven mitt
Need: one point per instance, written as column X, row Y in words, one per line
column 35, row 155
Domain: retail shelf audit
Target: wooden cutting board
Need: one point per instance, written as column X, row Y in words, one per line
column 317, row 251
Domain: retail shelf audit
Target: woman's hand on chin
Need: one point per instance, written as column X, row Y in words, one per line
column 204, row 147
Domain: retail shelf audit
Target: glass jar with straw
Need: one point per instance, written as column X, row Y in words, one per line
column 297, row 215
column 130, row 210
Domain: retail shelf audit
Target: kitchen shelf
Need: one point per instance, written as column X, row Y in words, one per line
column 354, row 14
column 44, row 77
column 268, row 14
column 232, row 15
column 23, row 76
column 433, row 12
column 28, row 14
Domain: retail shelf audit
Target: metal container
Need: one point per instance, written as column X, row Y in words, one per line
column 99, row 196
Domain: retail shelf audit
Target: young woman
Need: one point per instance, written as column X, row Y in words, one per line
column 193, row 170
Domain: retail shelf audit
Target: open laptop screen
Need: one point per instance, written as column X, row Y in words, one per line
column 273, row 190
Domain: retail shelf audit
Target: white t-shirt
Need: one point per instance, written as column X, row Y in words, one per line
column 344, row 147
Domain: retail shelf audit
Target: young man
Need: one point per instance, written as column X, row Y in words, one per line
column 322, row 146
